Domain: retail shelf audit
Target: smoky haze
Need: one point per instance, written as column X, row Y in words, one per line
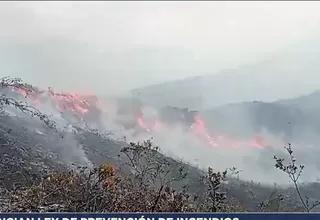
column 109, row 48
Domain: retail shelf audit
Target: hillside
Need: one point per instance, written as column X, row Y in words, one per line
column 292, row 118
column 283, row 75
column 309, row 102
column 28, row 155
column 255, row 117
column 41, row 161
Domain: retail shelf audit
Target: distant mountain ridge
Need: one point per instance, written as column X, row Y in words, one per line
column 284, row 75
column 296, row 119
column 306, row 102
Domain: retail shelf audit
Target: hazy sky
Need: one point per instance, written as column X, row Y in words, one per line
column 113, row 46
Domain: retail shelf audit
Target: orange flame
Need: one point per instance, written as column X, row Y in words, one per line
column 81, row 105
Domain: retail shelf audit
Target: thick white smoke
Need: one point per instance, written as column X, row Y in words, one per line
column 175, row 141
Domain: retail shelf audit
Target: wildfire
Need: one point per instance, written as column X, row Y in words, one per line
column 81, row 105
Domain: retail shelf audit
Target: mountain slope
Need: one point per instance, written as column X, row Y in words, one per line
column 286, row 74
column 30, row 149
column 296, row 119
column 309, row 102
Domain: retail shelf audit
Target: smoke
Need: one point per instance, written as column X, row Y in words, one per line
column 98, row 43
column 174, row 141
column 200, row 144
column 62, row 143
column 179, row 144
column 79, row 46
column 256, row 163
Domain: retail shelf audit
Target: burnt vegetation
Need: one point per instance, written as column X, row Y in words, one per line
column 133, row 177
